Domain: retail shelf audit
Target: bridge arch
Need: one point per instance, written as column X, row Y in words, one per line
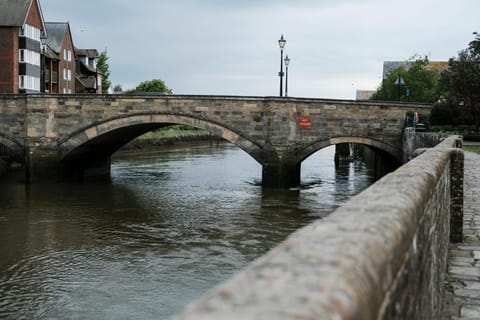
column 391, row 150
column 11, row 149
column 113, row 133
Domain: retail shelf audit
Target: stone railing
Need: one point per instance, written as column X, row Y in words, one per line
column 382, row 255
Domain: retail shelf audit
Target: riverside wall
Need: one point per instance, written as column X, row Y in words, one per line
column 382, row 255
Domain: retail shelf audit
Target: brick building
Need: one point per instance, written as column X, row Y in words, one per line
column 38, row 56
column 88, row 78
column 60, row 65
column 21, row 27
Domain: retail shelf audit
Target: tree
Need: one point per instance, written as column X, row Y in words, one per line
column 155, row 85
column 420, row 84
column 461, row 82
column 117, row 88
column 104, row 68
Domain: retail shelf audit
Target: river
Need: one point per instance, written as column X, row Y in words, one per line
column 171, row 224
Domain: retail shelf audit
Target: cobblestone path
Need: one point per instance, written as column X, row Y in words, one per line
column 463, row 283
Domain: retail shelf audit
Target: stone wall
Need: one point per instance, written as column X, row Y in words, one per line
column 412, row 141
column 382, row 255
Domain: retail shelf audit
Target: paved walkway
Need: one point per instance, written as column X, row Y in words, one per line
column 463, row 285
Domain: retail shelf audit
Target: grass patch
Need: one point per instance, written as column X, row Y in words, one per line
column 174, row 131
column 474, row 149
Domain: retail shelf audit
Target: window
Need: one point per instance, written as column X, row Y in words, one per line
column 29, row 31
column 29, row 83
column 67, row 55
column 67, row 74
column 28, row 56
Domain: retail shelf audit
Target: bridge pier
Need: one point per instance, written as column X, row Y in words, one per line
column 41, row 164
column 281, row 174
column 46, row 164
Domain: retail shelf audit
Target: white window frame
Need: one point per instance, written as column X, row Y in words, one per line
column 29, row 83
column 29, row 56
column 30, row 32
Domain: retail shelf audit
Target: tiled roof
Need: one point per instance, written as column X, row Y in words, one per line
column 13, row 12
column 56, row 34
column 91, row 53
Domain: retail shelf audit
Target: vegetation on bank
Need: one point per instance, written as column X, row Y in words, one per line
column 474, row 149
column 174, row 131
column 419, row 83
column 454, row 93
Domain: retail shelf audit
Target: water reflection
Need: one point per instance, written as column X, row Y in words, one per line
column 170, row 225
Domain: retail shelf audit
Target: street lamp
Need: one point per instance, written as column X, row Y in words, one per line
column 287, row 61
column 281, row 43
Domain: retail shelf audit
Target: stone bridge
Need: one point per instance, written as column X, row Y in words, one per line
column 75, row 135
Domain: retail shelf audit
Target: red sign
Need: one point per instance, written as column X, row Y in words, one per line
column 305, row 122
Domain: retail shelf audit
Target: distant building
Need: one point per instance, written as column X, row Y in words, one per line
column 60, row 65
column 21, row 29
column 364, row 94
column 88, row 78
column 389, row 66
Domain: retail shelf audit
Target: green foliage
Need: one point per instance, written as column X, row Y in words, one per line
column 444, row 114
column 461, row 83
column 473, row 149
column 155, row 85
column 117, row 88
column 420, row 81
column 104, row 68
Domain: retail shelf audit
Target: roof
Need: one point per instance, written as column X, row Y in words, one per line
column 91, row 53
column 56, row 34
column 50, row 54
column 13, row 13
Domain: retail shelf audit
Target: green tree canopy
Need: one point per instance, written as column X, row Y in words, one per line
column 155, row 85
column 461, row 84
column 420, row 84
column 102, row 65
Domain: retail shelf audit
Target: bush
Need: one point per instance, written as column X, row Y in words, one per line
column 444, row 114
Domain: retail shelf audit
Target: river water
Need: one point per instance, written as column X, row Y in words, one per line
column 170, row 225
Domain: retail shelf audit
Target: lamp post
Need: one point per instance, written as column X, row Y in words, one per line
column 287, row 62
column 281, row 43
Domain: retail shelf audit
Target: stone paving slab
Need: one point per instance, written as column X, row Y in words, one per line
column 463, row 283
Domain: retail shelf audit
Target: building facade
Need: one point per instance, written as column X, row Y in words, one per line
column 60, row 65
column 21, row 29
column 40, row 57
column 88, row 78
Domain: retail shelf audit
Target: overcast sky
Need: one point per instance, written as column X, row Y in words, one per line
column 229, row 47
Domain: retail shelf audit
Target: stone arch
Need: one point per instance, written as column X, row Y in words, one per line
column 393, row 151
column 12, row 149
column 143, row 123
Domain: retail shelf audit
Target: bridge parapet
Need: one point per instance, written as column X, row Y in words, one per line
column 382, row 255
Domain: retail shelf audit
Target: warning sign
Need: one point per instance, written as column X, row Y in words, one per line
column 305, row 122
